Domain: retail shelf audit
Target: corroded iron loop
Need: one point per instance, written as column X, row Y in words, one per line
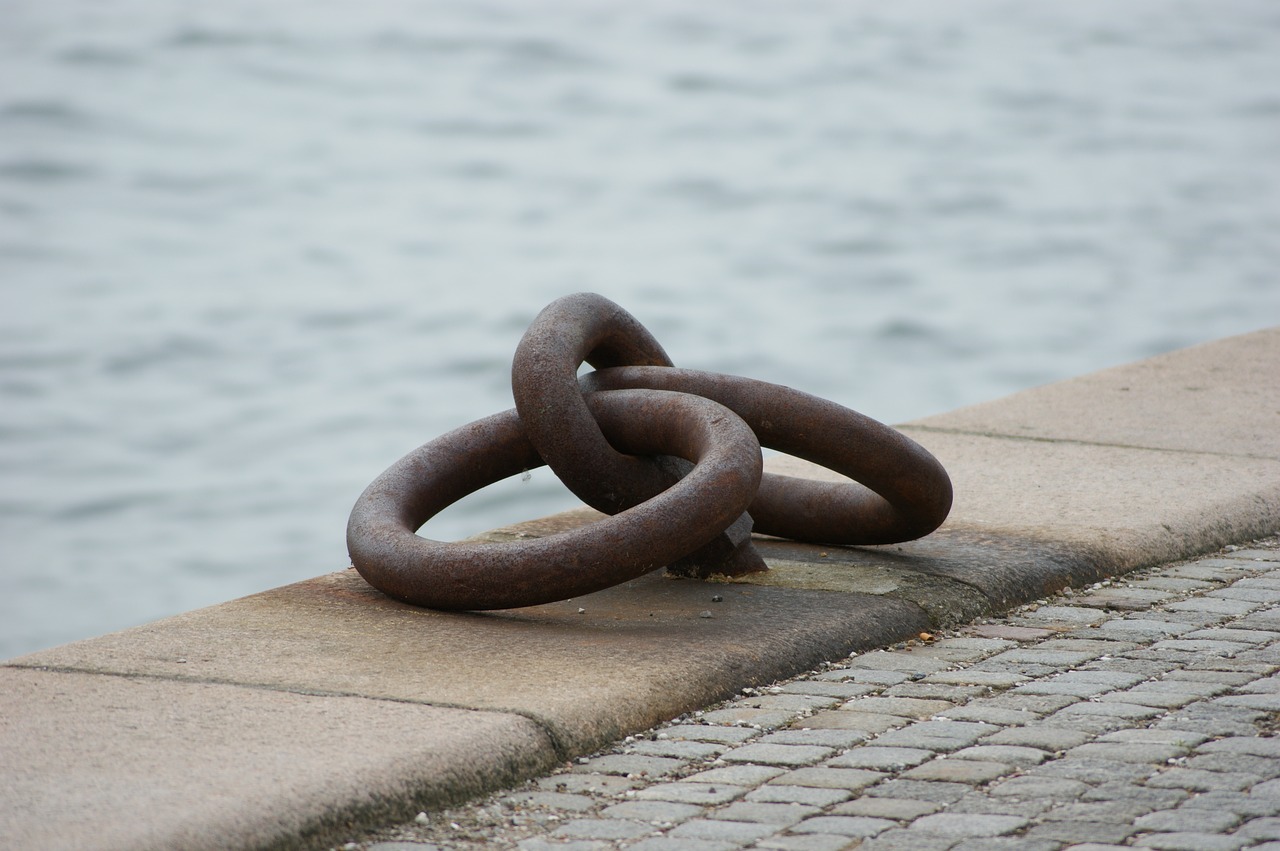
column 589, row 328
column 905, row 493
column 579, row 328
column 480, row 575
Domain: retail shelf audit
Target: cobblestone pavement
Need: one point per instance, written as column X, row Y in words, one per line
column 1140, row 712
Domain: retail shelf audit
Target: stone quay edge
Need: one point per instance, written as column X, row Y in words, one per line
column 286, row 718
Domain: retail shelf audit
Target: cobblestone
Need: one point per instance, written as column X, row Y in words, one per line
column 1145, row 717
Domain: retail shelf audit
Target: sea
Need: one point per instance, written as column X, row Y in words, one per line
column 252, row 253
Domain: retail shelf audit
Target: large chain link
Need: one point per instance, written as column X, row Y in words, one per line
column 672, row 455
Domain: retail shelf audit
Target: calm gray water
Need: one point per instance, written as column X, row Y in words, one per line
column 251, row 253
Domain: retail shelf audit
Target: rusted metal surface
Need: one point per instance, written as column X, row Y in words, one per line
column 673, row 455
column 589, row 328
column 467, row 575
column 900, row 491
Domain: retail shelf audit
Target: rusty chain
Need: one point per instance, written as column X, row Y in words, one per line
column 671, row 455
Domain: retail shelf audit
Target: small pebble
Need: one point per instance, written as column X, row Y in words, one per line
column 704, row 614
column 717, row 599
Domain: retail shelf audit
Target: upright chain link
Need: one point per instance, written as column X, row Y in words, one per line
column 671, row 455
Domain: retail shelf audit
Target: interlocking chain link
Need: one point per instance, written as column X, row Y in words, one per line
column 671, row 455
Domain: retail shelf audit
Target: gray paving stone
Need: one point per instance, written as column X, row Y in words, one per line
column 737, row 775
column 822, row 737
column 1154, row 698
column 1263, row 702
column 1257, row 829
column 1229, row 678
column 963, row 649
column 1092, row 771
column 1264, row 768
column 1268, row 746
column 1007, row 754
column 853, row 779
column 785, row 755
column 678, row 749
column 1123, row 790
column 1248, row 806
column 868, row 723
column 538, row 844
column 761, row 719
column 853, row 826
column 1127, row 711
column 1007, row 843
column 1040, row 704
column 810, row 795
column 603, row 828
column 907, row 663
column 864, row 675
column 1173, row 583
column 902, row 809
column 986, row 714
column 1050, row 739
column 1046, row 658
column 1200, row 645
column 919, row 790
column 842, row 690
column 1190, row 842
column 1142, row 752
column 972, row 676
column 551, row 800
column 653, row 812
column 878, row 758
column 1081, row 683
column 955, row 694
column 731, row 831
column 905, row 839
column 765, row 812
column 1201, row 781
column 786, row 702
column 711, row 733
column 1187, row 820
column 595, row 784
column 666, row 843
column 1266, row 685
column 906, row 707
column 968, row 824
column 981, row 803
column 684, row 792
column 1234, row 635
column 1034, row 786
column 1076, row 615
column 936, row 735
column 627, row 765
column 1119, row 811
column 1214, row 605
column 1156, row 735
column 807, row 842
column 959, row 771
column 1081, row 832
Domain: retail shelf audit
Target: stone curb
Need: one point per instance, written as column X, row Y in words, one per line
column 293, row 714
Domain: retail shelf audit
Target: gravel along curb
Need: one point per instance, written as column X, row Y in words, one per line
column 1138, row 712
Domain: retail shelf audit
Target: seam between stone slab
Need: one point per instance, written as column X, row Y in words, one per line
column 559, row 749
column 1072, row 441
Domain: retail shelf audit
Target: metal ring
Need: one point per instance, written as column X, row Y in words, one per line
column 482, row 575
column 904, row 492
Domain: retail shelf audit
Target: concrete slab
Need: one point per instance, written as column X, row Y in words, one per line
column 112, row 762
column 1117, row 507
column 1221, row 398
column 637, row 655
